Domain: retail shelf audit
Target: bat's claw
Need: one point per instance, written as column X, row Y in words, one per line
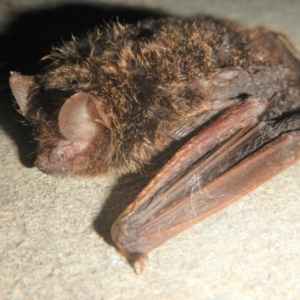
column 138, row 261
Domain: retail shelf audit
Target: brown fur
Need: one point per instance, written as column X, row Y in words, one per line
column 148, row 78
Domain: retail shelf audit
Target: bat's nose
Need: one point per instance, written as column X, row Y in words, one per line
column 42, row 167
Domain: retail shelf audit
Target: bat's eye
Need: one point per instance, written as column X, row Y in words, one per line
column 145, row 35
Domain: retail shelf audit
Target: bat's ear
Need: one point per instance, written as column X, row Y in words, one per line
column 81, row 117
column 20, row 85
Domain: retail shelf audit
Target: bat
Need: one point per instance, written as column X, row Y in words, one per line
column 110, row 102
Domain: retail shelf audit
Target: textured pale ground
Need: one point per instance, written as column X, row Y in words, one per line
column 49, row 248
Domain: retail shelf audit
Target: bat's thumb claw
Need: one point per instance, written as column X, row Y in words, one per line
column 138, row 262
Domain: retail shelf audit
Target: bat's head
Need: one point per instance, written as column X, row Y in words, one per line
column 86, row 129
column 72, row 129
column 97, row 107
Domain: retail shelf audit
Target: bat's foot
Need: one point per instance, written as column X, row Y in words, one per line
column 138, row 261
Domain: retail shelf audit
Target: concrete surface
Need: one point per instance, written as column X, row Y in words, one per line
column 54, row 232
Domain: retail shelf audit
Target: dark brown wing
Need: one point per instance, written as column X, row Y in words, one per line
column 243, row 145
column 230, row 85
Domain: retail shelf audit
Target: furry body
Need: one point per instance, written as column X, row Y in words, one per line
column 154, row 82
